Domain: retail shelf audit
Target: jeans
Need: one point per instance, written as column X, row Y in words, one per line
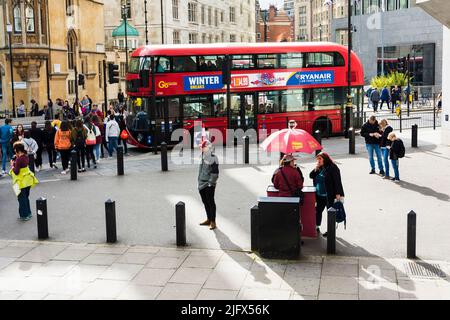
column 6, row 154
column 382, row 103
column 24, row 203
column 207, row 195
column 97, row 151
column 375, row 106
column 371, row 148
column 395, row 164
column 385, row 152
column 112, row 144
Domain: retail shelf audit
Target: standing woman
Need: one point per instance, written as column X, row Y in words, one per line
column 385, row 143
column 63, row 144
column 19, row 133
column 23, row 180
column 328, row 183
column 37, row 135
column 99, row 133
column 78, row 136
column 48, row 142
column 123, row 129
column 91, row 141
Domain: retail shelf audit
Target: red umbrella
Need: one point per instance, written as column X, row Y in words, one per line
column 291, row 141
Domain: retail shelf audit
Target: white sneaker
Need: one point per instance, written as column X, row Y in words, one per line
column 3, row 172
column 37, row 169
column 64, row 172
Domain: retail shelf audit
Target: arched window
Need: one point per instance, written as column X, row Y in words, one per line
column 29, row 17
column 71, row 49
column 17, row 19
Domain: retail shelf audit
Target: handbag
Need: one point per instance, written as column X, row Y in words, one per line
column 297, row 193
column 124, row 135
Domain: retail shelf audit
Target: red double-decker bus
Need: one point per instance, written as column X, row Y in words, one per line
column 172, row 86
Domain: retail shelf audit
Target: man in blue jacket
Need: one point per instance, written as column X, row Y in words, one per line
column 6, row 135
column 385, row 97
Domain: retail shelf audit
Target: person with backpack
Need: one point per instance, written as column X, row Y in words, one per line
column 397, row 151
column 123, row 129
column 372, row 135
column 329, row 190
column 23, row 180
column 36, row 134
column 207, row 180
column 63, row 144
column 288, row 179
column 99, row 134
column 48, row 142
column 386, row 129
column 375, row 98
column 78, row 136
column 31, row 147
column 91, row 141
column 385, row 98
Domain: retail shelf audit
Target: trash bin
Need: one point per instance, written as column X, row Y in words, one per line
column 279, row 227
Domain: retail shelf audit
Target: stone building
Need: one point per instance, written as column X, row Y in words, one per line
column 274, row 25
column 51, row 41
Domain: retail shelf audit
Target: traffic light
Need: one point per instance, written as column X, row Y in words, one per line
column 81, row 79
column 113, row 73
column 402, row 65
column 226, row 71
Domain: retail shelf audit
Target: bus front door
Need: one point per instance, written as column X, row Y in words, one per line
column 242, row 111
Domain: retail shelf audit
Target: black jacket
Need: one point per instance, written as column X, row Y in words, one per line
column 395, row 149
column 36, row 134
column 384, row 138
column 48, row 138
column 333, row 182
column 367, row 129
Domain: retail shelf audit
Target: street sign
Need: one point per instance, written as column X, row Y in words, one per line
column 20, row 85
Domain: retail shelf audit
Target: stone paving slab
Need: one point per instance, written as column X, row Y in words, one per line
column 201, row 274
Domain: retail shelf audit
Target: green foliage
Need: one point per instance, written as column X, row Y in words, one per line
column 394, row 78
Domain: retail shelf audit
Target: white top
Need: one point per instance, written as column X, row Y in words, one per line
column 112, row 129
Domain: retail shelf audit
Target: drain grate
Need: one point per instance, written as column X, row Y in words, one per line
column 422, row 269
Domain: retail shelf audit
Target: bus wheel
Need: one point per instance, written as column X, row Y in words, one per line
column 324, row 126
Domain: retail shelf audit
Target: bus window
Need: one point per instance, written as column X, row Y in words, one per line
column 184, row 64
column 242, row 62
column 210, row 63
column 197, row 108
column 292, row 101
column 134, row 65
column 319, row 59
column 163, row 64
column 146, row 64
column 267, row 61
column 338, row 60
column 291, row 60
column 220, row 106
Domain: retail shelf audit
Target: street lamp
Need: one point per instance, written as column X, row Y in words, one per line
column 349, row 107
column 9, row 29
column 146, row 22
column 125, row 9
column 162, row 23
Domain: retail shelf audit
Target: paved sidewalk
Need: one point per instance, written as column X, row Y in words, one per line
column 52, row 270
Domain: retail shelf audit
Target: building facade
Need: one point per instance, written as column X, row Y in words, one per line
column 274, row 25
column 184, row 21
column 50, row 44
column 303, row 20
column 400, row 29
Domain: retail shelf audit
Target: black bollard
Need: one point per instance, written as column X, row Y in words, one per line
column 31, row 162
column 331, row 232
column 42, row 221
column 164, row 165
column 414, row 131
column 73, row 165
column 110, row 214
column 180, row 221
column 318, row 137
column 120, row 168
column 351, row 141
column 411, row 236
column 254, row 213
column 246, row 149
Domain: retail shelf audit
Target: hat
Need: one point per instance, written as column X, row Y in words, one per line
column 288, row 158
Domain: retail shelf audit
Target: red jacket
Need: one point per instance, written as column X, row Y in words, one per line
column 293, row 177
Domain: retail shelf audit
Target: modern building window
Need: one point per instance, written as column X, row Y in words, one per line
column 232, row 14
column 176, row 37
column 192, row 12
column 192, row 38
column 175, row 5
column 391, row 5
column 71, row 48
column 17, row 19
column 404, row 4
column 29, row 17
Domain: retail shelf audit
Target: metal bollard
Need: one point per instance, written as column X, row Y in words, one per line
column 73, row 165
column 110, row 215
column 120, row 167
column 351, row 141
column 246, row 149
column 31, row 162
column 254, row 213
column 318, row 137
column 164, row 165
column 180, row 221
column 42, row 221
column 414, row 131
column 331, row 232
column 411, row 235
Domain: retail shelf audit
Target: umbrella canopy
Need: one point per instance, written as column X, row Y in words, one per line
column 291, row 141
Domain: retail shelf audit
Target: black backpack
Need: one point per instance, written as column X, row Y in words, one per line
column 79, row 139
column 402, row 150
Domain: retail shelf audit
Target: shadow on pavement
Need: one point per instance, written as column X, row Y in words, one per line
column 425, row 191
